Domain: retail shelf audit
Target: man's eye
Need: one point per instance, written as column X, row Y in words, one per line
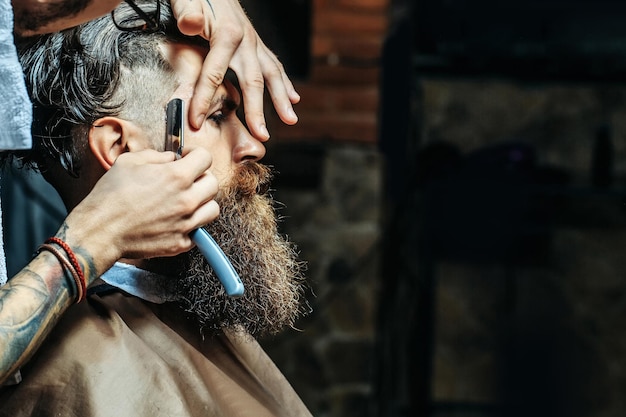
column 217, row 117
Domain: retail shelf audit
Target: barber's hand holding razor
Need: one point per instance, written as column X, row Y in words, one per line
column 168, row 198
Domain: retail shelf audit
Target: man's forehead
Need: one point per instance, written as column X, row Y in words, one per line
column 186, row 60
column 184, row 91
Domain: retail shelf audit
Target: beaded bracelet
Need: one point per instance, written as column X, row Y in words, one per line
column 80, row 290
column 72, row 257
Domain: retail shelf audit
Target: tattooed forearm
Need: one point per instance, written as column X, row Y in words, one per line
column 30, row 305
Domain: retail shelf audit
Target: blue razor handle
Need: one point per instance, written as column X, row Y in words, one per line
column 175, row 141
column 219, row 262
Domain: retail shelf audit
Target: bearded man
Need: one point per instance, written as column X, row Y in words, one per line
column 155, row 337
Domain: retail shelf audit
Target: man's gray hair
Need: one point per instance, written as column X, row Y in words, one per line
column 76, row 76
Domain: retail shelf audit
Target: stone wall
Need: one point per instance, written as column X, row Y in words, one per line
column 541, row 335
column 330, row 180
column 336, row 225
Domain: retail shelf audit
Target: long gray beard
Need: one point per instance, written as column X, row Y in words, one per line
column 266, row 261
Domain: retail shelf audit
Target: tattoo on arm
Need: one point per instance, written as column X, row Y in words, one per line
column 30, row 305
column 32, row 302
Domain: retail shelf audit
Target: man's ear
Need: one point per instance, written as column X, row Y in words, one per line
column 109, row 137
column 107, row 140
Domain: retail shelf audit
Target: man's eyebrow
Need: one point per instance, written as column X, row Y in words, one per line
column 227, row 102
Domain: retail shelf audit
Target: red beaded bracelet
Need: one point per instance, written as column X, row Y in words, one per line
column 80, row 293
column 73, row 261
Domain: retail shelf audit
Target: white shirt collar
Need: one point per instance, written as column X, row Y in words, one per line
column 140, row 283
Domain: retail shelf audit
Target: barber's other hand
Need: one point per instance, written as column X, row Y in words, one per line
column 145, row 206
column 235, row 43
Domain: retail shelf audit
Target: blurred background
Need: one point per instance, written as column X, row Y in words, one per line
column 457, row 184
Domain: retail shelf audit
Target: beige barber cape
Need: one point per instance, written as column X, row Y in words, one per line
column 117, row 355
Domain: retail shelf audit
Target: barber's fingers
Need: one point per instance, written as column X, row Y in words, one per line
column 146, row 156
column 205, row 214
column 200, row 196
column 211, row 77
column 235, row 44
column 202, row 191
column 224, row 34
column 197, row 17
column 187, row 181
column 247, row 67
column 195, row 161
column 280, row 87
column 256, row 66
column 192, row 15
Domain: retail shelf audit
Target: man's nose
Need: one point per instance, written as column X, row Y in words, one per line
column 247, row 148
